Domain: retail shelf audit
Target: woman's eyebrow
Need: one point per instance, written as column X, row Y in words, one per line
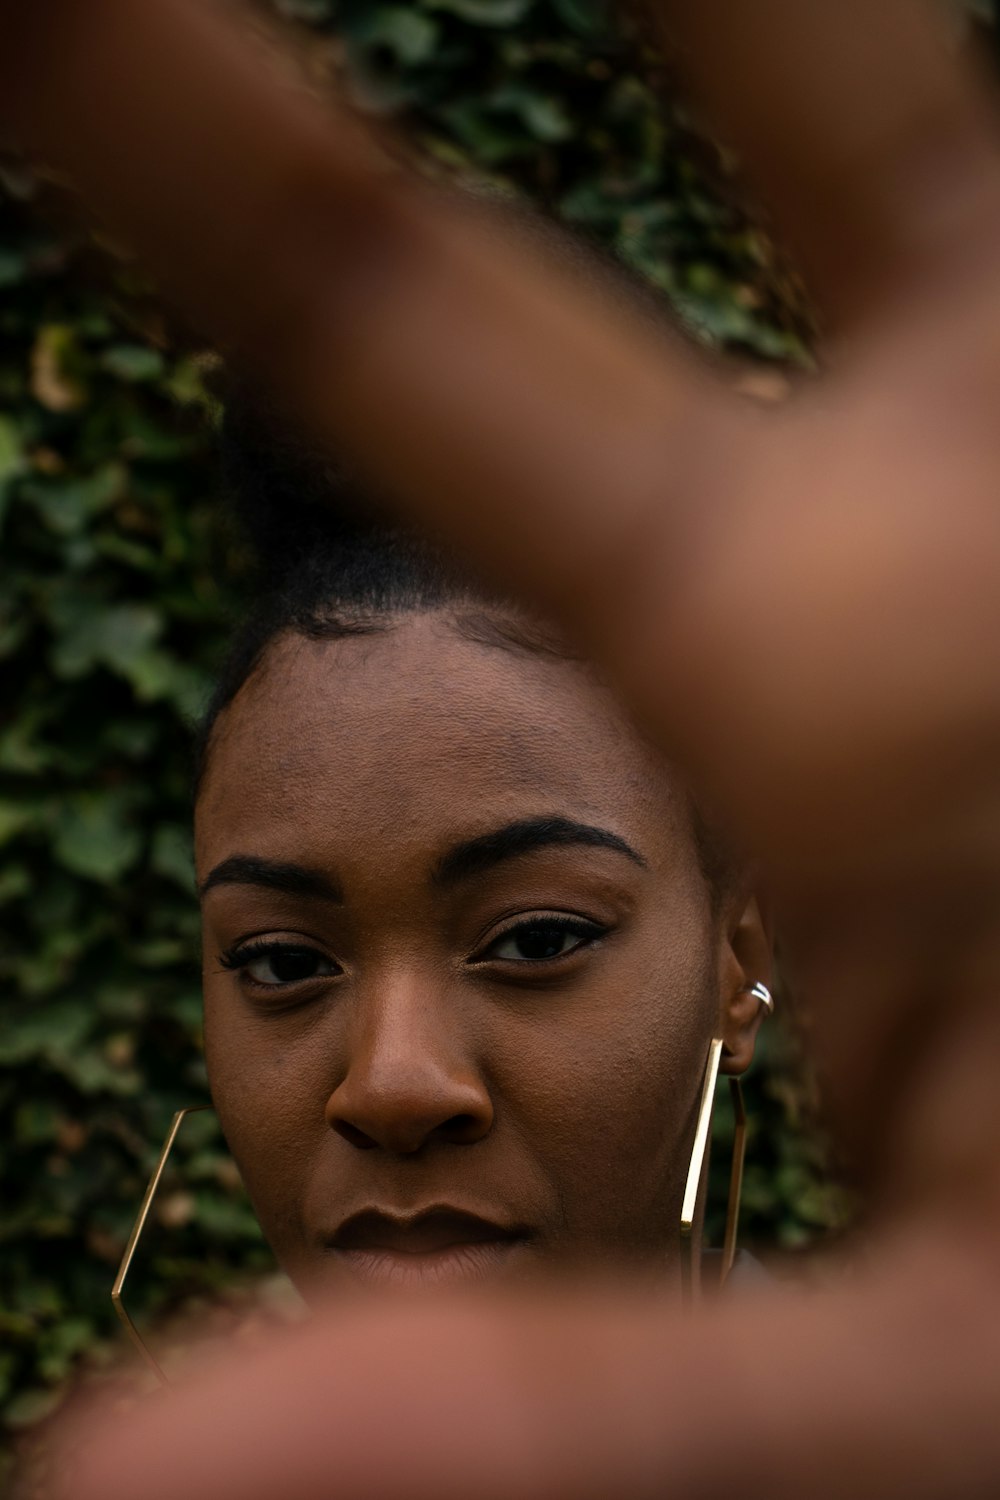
column 275, row 875
column 523, row 837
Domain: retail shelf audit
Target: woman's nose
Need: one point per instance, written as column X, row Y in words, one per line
column 407, row 1085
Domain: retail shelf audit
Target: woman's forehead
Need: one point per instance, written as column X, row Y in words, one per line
column 416, row 731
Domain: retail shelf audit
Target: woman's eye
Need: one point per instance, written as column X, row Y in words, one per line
column 535, row 942
column 279, row 963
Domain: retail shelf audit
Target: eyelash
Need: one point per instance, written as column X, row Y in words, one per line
column 239, row 958
column 587, row 931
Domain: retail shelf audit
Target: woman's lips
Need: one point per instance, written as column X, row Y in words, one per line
column 437, row 1247
column 430, row 1268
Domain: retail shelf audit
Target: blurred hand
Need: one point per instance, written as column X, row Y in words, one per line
column 804, row 608
column 801, row 604
column 887, row 1390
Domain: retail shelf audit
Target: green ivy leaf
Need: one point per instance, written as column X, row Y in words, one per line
column 31, row 1031
column 171, row 856
column 485, row 12
column 588, row 18
column 11, row 450
column 92, row 1073
column 67, row 506
column 60, row 1345
column 36, row 1121
column 133, row 362
column 544, row 116
column 11, row 268
column 18, row 815
column 94, row 836
column 186, row 384
column 408, row 34
column 15, row 881
column 91, row 635
column 156, row 675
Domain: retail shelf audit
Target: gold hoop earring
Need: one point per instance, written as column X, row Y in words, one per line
column 690, row 1272
column 136, row 1234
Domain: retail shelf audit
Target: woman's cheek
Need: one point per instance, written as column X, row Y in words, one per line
column 628, row 1090
column 261, row 1088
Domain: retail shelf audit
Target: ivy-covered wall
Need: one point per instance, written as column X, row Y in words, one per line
column 115, row 583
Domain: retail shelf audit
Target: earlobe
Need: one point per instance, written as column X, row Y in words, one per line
column 744, row 976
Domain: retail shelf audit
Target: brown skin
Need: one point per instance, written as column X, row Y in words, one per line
column 569, row 1082
column 483, row 395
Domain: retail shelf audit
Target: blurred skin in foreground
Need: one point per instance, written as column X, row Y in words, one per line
column 802, row 608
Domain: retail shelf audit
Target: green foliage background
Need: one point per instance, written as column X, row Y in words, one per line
column 116, row 580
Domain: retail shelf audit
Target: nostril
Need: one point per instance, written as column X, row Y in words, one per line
column 354, row 1136
column 462, row 1128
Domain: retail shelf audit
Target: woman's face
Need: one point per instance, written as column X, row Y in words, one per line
column 461, row 965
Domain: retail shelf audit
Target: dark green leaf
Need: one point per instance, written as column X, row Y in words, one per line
column 133, row 362
column 485, row 12
column 95, row 837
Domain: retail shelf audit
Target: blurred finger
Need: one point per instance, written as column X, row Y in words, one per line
column 861, row 127
column 771, row 1396
column 551, row 434
column 452, row 358
column 196, row 147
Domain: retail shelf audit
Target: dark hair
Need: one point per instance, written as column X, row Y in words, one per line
column 328, row 561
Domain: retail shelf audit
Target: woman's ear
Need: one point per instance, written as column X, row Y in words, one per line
column 746, row 958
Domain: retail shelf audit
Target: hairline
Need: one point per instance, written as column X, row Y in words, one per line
column 497, row 626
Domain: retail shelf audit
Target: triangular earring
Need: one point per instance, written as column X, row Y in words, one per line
column 690, row 1273
column 136, row 1234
